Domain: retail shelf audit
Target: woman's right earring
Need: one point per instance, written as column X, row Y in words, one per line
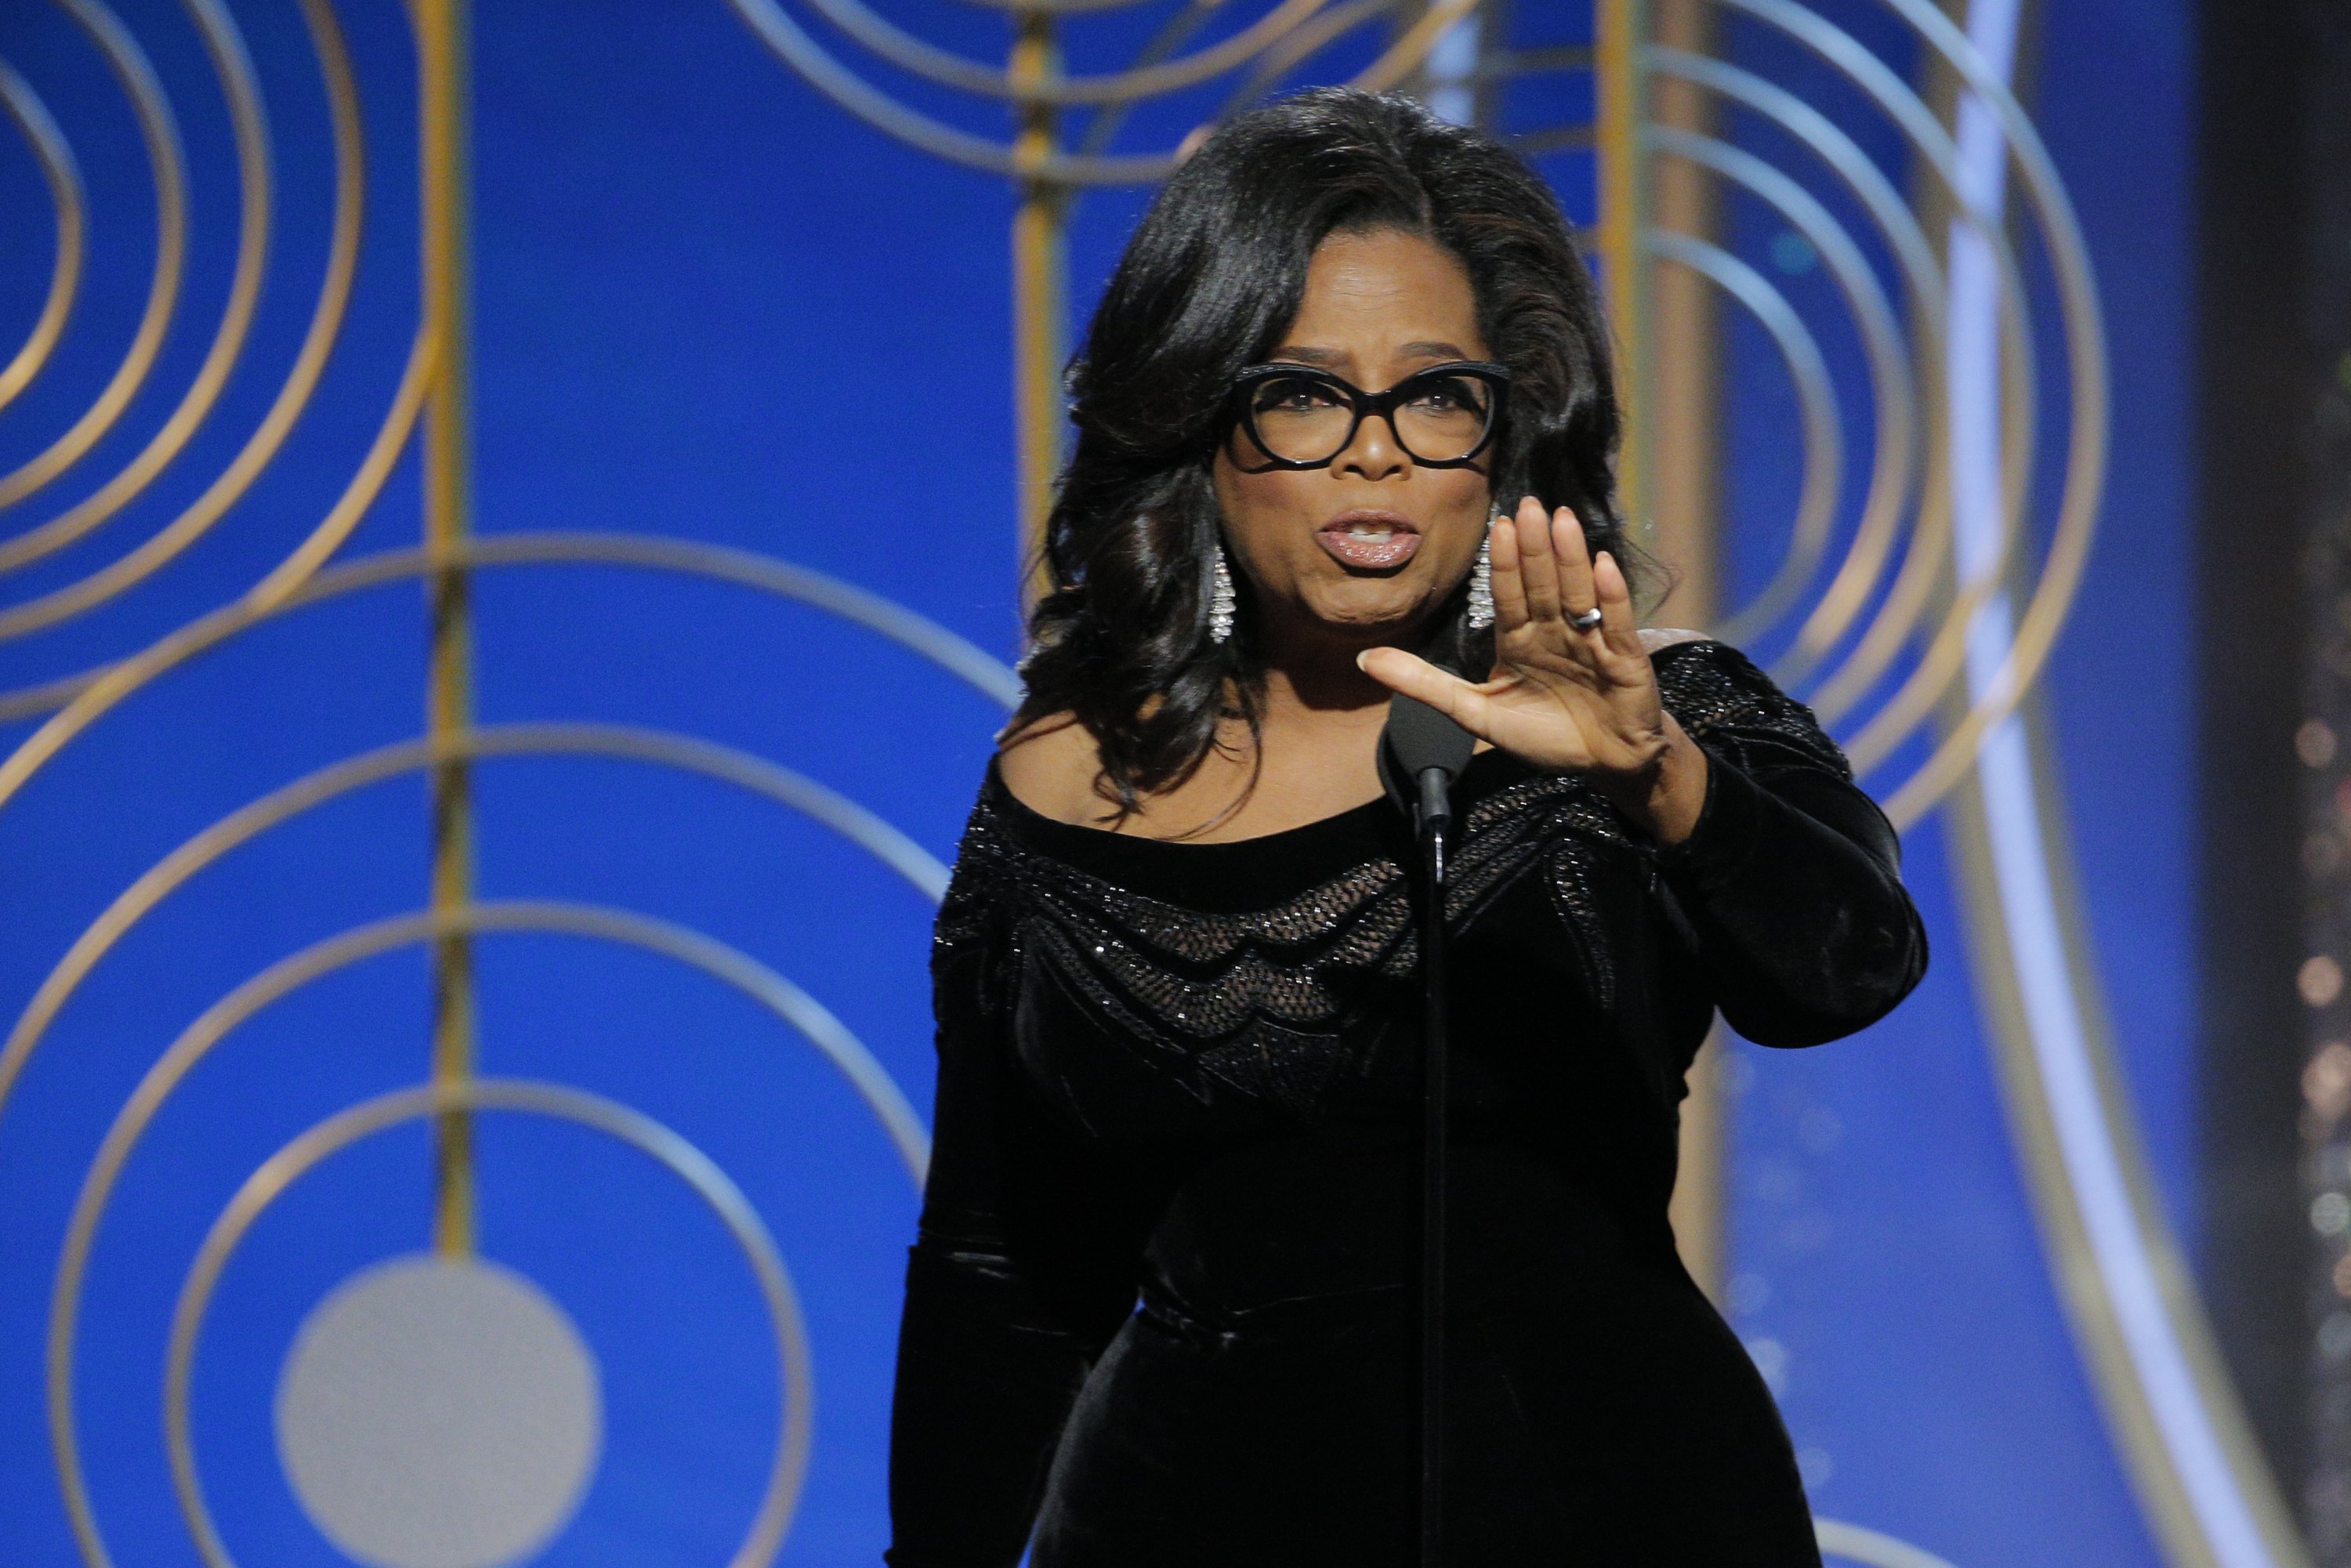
column 1220, row 600
column 1482, row 585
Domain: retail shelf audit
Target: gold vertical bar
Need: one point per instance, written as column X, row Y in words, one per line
column 1040, row 296
column 1699, row 1212
column 1665, row 468
column 1683, row 417
column 446, row 199
column 1623, row 213
column 1680, row 421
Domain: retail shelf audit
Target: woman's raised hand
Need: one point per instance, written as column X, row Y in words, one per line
column 1564, row 700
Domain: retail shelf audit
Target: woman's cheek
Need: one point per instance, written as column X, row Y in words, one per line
column 1264, row 516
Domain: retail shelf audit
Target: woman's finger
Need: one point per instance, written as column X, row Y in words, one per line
column 1576, row 596
column 1538, row 567
column 1509, row 580
column 1448, row 694
column 1618, row 627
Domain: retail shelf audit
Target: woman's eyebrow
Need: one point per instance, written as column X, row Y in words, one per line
column 1291, row 353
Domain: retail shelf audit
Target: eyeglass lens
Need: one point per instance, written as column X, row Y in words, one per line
column 1305, row 419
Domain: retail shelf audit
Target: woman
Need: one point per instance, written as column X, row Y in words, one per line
column 1344, row 427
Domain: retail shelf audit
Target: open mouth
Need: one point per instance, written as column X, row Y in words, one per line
column 1369, row 540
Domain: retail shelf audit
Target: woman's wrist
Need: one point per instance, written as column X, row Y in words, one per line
column 1666, row 797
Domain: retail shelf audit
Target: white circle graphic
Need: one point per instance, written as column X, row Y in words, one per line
column 438, row 1413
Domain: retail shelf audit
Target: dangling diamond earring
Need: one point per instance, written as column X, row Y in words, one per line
column 1220, row 599
column 1481, row 581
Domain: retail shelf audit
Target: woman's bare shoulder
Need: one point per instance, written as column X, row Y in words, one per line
column 1051, row 764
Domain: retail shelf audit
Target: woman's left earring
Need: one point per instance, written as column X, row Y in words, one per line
column 1220, row 600
column 1481, row 583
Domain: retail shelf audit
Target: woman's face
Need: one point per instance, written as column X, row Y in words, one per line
column 1368, row 547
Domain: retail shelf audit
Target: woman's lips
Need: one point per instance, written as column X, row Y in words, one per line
column 1369, row 543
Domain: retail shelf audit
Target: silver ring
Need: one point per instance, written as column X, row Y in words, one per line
column 1587, row 622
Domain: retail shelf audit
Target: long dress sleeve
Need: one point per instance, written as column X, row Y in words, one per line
column 1023, row 1268
column 1791, row 882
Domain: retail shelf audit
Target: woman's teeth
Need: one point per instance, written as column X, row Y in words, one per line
column 1370, row 544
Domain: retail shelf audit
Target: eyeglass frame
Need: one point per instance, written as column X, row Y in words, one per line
column 1363, row 404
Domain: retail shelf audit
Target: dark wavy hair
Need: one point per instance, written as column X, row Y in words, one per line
column 1212, row 279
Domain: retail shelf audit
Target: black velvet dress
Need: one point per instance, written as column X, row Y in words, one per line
column 1161, row 1306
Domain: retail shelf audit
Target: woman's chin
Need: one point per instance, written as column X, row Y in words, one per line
column 1368, row 612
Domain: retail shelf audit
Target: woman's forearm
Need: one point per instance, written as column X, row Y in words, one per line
column 1791, row 886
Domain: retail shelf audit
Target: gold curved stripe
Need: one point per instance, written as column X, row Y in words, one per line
column 48, row 696
column 795, row 1367
column 1871, row 550
column 1928, row 559
column 1926, row 551
column 1300, row 44
column 2060, row 570
column 1620, row 104
column 57, row 160
column 2060, row 1201
column 1925, row 568
column 1890, row 495
column 1104, row 124
column 947, row 69
column 653, row 552
column 1869, row 554
column 1294, row 45
column 250, row 821
column 1928, row 554
column 117, row 682
column 1404, row 57
column 1874, row 539
column 188, row 1051
column 293, row 397
column 235, row 68
column 2036, row 632
column 197, row 1041
column 2061, row 574
column 1821, row 413
column 348, row 510
column 167, row 164
column 367, row 483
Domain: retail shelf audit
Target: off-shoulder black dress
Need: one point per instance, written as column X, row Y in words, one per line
column 1184, row 1074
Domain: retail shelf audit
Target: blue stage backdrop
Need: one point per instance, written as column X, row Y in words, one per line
column 711, row 306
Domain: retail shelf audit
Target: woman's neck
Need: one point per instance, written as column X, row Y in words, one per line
column 1311, row 677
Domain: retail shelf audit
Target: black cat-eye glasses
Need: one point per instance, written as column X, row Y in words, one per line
column 1301, row 417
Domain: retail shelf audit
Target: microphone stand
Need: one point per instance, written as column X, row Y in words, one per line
column 1421, row 753
column 1433, row 819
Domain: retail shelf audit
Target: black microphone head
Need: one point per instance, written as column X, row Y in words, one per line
column 1419, row 737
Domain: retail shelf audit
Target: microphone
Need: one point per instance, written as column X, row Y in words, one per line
column 1421, row 753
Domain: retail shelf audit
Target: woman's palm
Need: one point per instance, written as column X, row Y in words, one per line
column 1559, row 699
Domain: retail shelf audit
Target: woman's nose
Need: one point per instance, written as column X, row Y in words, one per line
column 1373, row 453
